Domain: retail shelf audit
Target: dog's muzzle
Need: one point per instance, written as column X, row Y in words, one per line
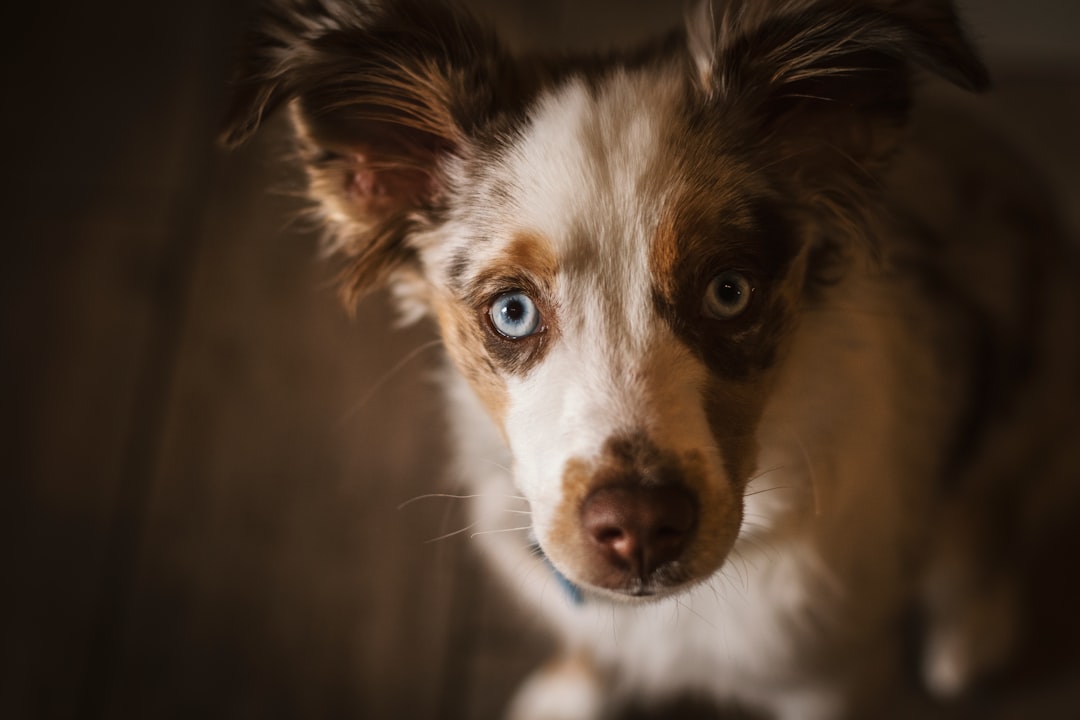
column 639, row 520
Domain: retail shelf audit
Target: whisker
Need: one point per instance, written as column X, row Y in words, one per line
column 452, row 496
column 809, row 471
column 711, row 585
column 757, row 526
column 503, row 530
column 763, row 473
column 385, row 378
column 859, row 166
column 524, row 575
column 450, row 534
column 692, row 611
column 751, row 543
column 761, row 545
column 736, row 555
column 500, row 466
column 768, row 489
column 727, row 578
column 428, row 496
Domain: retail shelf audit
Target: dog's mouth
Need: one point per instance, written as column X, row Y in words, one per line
column 638, row 589
column 619, row 582
column 623, row 587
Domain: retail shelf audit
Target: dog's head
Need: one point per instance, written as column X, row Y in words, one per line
column 615, row 249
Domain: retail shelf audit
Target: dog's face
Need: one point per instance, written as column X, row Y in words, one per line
column 619, row 301
column 615, row 251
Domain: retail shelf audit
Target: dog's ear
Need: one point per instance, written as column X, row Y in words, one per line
column 827, row 75
column 382, row 94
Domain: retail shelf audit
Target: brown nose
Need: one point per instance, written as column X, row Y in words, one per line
column 639, row 528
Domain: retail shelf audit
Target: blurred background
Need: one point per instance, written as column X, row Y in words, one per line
column 202, row 456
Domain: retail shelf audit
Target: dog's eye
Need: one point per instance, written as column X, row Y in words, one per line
column 728, row 295
column 515, row 315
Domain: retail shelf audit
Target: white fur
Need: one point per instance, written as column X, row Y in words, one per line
column 566, row 690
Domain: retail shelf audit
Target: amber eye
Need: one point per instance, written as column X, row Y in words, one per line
column 515, row 315
column 728, row 295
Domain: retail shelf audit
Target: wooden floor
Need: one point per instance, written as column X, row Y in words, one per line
column 204, row 456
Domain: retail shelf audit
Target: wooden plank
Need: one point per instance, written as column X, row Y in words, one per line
column 276, row 576
column 1039, row 109
column 97, row 172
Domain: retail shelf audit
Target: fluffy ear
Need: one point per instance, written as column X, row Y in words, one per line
column 828, row 75
column 382, row 93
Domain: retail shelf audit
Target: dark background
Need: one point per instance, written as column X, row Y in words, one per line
column 202, row 456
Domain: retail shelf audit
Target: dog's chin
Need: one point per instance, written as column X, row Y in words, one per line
column 640, row 593
column 665, row 583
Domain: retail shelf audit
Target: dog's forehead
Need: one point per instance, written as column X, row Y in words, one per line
column 593, row 163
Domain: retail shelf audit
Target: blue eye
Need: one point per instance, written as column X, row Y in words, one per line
column 728, row 295
column 515, row 315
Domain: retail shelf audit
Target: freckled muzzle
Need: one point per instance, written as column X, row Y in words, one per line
column 641, row 522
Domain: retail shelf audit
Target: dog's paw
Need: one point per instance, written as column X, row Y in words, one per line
column 568, row 688
column 970, row 641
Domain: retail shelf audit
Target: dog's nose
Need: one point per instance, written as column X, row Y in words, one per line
column 639, row 528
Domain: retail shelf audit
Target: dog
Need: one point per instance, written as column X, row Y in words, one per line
column 774, row 345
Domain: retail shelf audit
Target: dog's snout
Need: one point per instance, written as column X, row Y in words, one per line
column 637, row 529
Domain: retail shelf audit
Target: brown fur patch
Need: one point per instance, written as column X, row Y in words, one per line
column 709, row 227
column 733, row 411
column 699, row 239
column 466, row 345
column 533, row 254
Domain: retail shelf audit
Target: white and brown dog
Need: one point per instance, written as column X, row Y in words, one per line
column 763, row 338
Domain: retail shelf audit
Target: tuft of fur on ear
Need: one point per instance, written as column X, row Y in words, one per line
column 799, row 39
column 826, row 84
column 829, row 60
column 381, row 93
